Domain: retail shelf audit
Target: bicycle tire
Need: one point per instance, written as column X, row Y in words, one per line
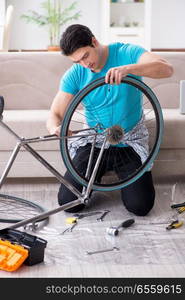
column 15, row 209
column 149, row 94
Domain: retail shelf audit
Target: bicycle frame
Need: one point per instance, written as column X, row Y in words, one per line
column 88, row 181
column 23, row 142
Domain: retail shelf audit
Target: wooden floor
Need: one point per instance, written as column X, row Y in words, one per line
column 146, row 249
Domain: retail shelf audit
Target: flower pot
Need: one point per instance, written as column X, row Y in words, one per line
column 53, row 48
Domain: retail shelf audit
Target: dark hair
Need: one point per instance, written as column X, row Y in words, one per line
column 74, row 37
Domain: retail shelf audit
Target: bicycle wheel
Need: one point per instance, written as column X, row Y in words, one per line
column 91, row 122
column 15, row 209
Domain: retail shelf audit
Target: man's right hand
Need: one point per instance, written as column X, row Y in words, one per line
column 55, row 130
column 57, row 111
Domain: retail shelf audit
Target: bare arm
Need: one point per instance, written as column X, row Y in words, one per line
column 57, row 111
column 149, row 65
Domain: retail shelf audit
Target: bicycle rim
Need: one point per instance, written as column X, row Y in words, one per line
column 15, row 209
column 75, row 119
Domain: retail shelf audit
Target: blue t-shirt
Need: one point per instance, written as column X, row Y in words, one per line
column 109, row 104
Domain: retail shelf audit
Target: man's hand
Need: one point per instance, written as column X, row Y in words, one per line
column 149, row 65
column 57, row 112
column 114, row 75
column 55, row 130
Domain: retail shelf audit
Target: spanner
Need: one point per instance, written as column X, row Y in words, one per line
column 102, row 251
column 88, row 214
column 103, row 215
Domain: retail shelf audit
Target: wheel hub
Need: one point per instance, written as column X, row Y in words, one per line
column 115, row 134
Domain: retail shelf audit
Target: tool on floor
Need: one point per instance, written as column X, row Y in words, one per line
column 88, row 214
column 101, row 218
column 102, row 250
column 114, row 231
column 178, row 205
column 93, row 213
column 175, row 224
column 180, row 210
column 71, row 220
column 70, row 229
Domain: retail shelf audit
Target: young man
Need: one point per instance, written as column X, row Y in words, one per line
column 93, row 60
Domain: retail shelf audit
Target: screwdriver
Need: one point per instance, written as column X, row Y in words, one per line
column 178, row 205
column 76, row 217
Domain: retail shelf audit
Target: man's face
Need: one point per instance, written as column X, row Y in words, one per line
column 87, row 56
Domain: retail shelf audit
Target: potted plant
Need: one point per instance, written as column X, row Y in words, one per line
column 53, row 19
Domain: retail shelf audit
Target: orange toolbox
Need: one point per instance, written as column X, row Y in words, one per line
column 18, row 247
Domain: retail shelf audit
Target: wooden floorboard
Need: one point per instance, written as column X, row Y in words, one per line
column 146, row 249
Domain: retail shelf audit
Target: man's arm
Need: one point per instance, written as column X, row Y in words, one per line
column 57, row 111
column 149, row 65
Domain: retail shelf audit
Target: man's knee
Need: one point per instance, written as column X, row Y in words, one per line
column 140, row 207
column 140, row 211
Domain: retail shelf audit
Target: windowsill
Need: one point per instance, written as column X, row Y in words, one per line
column 28, row 50
column 168, row 49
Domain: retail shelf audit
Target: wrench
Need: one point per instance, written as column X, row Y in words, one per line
column 103, row 215
column 69, row 229
column 102, row 251
column 88, row 214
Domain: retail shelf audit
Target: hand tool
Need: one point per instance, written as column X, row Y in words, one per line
column 88, row 214
column 178, row 205
column 70, row 229
column 103, row 215
column 71, row 220
column 181, row 209
column 102, row 251
column 175, row 224
column 115, row 230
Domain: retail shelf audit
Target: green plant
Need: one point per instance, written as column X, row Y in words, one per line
column 53, row 18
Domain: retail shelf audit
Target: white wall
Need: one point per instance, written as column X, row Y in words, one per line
column 2, row 12
column 168, row 24
column 30, row 36
column 165, row 25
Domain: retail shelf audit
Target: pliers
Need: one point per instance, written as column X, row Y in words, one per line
column 180, row 207
column 175, row 224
